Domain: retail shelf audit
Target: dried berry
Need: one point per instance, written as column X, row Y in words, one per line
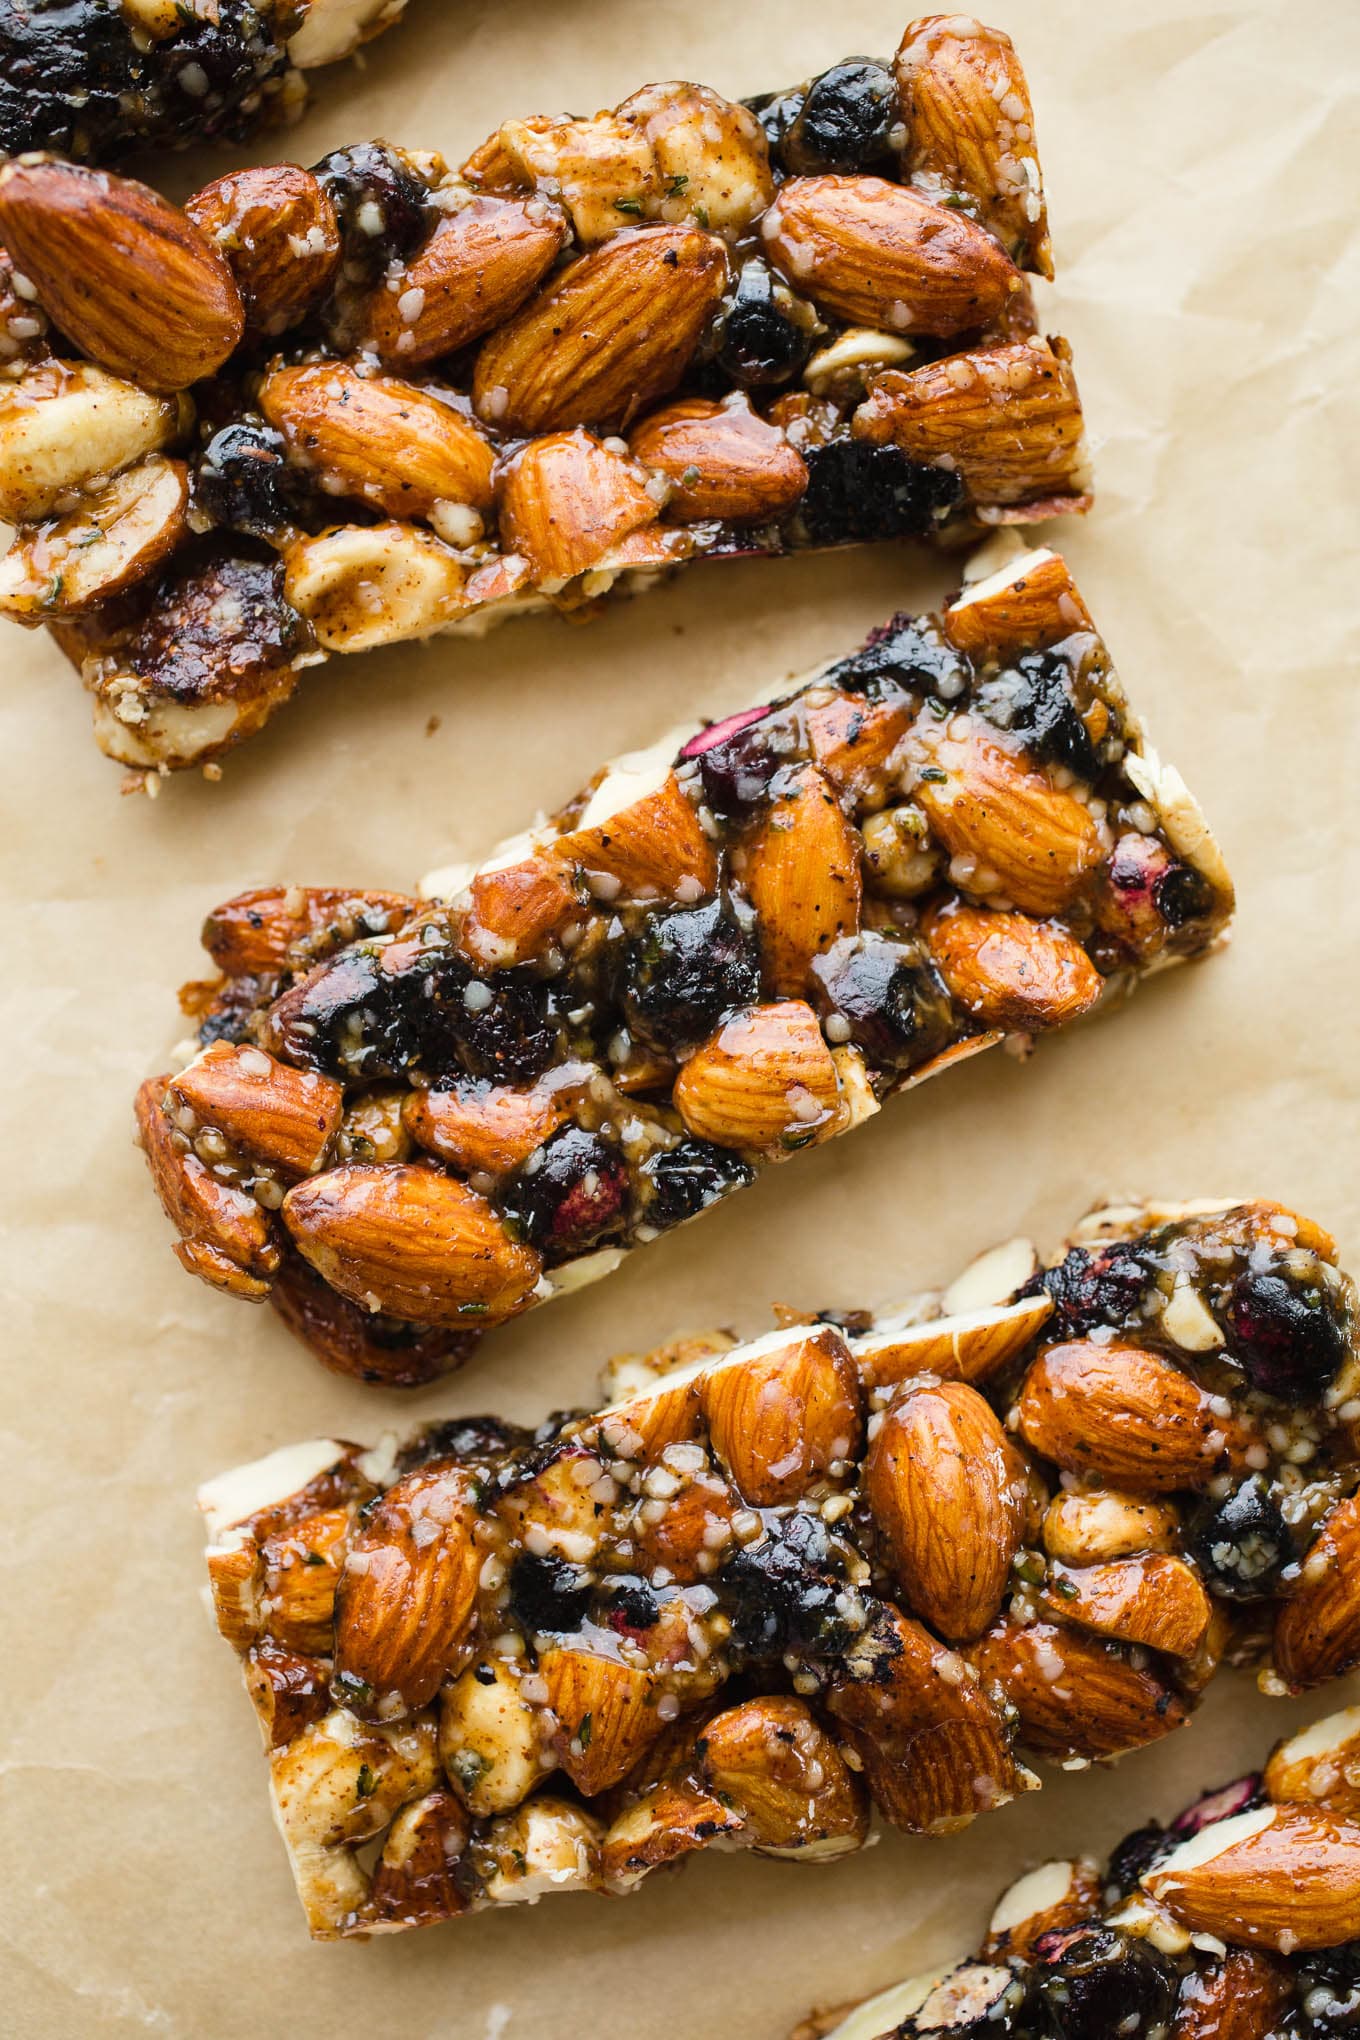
column 1329, row 1992
column 381, row 205
column 1095, row 1981
column 683, row 970
column 760, row 342
column 243, row 481
column 883, row 991
column 857, row 493
column 469, row 1440
column 547, row 1595
column 628, row 1604
column 1135, row 1855
column 1224, row 1803
column 682, row 1181
column 214, row 623
column 845, row 121
column 1033, row 698
column 1181, row 894
column 1286, row 1334
column 739, row 757
column 572, row 1193
column 782, row 1594
column 908, row 653
column 1242, row 1543
column 776, row 112
column 1091, row 1286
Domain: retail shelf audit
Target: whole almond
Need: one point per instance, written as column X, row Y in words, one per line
column 490, row 1128
column 1152, row 1599
column 878, row 254
column 606, row 1713
column 1074, row 1696
column 277, row 229
column 803, row 878
column 474, row 272
column 223, row 1230
column 765, row 1082
column 772, row 1762
column 408, row 1241
column 1280, row 1877
column 615, row 331
column 406, row 1597
column 284, row 1117
column 565, row 499
column 1009, row 971
column 650, row 844
column 383, row 441
column 1128, row 1416
column 721, row 460
column 122, row 272
column 1317, row 1631
column 782, row 1418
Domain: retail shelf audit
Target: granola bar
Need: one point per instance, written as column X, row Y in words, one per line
column 317, row 411
column 1236, row 1921
column 96, row 80
column 409, row 1120
column 866, row 1563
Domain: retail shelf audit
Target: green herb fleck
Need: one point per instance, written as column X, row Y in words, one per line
column 349, row 1687
column 1067, row 1588
column 586, row 1730
column 701, row 215
column 520, row 1860
column 690, row 477
column 480, row 1309
column 629, row 205
column 934, row 775
column 676, row 184
column 366, row 1781
column 314, row 1558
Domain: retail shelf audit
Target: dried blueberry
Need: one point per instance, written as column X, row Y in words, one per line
column 1181, row 894
column 470, row 1440
column 380, row 203
column 886, row 995
column 907, row 652
column 242, row 480
column 736, row 768
column 572, row 1193
column 857, row 493
column 682, row 1181
column 683, row 970
column 547, row 1594
column 1095, row 1981
column 759, row 341
column 1242, row 1543
column 627, row 1603
column 1286, row 1334
column 1135, row 1855
column 845, row 120
column 776, row 112
column 1329, row 1991
column 1093, row 1286
column 782, row 1593
column 1033, row 699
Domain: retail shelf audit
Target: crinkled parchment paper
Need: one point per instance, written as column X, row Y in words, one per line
column 1202, row 162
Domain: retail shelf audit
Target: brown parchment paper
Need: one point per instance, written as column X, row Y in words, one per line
column 1203, row 163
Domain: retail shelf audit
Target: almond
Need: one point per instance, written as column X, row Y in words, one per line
column 515, row 910
column 125, row 275
column 473, row 273
column 284, row 1117
column 255, row 934
column 411, row 1242
column 418, row 1879
column 1127, row 1416
column 606, row 1713
column 492, row 1743
column 374, row 584
column 113, row 540
column 854, row 739
column 971, row 1347
column 477, row 1127
column 1009, row 419
column 301, row 1572
column 1094, row 1527
column 234, row 1585
column 401, row 449
column 222, row 1222
column 770, row 1761
column 1243, row 1996
column 765, row 1082
column 1320, row 1766
column 64, row 423
column 565, row 499
column 1317, row 1632
column 351, row 1341
column 1010, row 972
column 803, row 878
column 1150, row 1599
column 547, row 1845
column 721, row 460
column 554, row 1504
column 989, row 804
column 947, row 1494
column 784, row 1413
column 879, row 254
column 1278, row 1877
column 1056, row 1895
column 694, row 1534
column 970, row 129
column 406, row 1599
column 615, row 331
column 1026, row 606
column 1075, row 1697
column 639, row 836
column 343, row 1781
column 288, row 1690
column 670, row 1821
column 279, row 234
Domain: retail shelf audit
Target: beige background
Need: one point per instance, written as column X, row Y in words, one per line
column 1202, row 164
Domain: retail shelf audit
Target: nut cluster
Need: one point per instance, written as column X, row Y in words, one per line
column 1237, row 1921
column 409, row 1120
column 859, row 1563
column 319, row 410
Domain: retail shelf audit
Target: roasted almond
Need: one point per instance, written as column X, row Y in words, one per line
column 1317, row 1632
column 1127, row 1416
column 281, row 1116
column 113, row 540
column 803, row 878
column 606, row 1713
column 1243, row 1996
column 1023, row 607
column 385, row 442
column 234, row 1585
column 351, row 1341
column 301, row 1567
column 1152, row 1599
column 765, row 1082
column 1002, row 819
column 418, row 1878
column 1320, row 1766
column 412, row 1243
column 514, row 910
column 124, row 274
column 1277, row 1877
column 1044, row 1901
column 721, row 460
column 289, row 1690
column 477, row 1127
column 784, row 1413
column 228, row 1226
column 254, row 934
column 670, row 1821
column 474, row 272
column 1074, row 1696
column 1011, row 972
column 279, row 234
column 64, row 423
column 565, row 499
column 773, row 1763
column 855, row 739
column 970, row 1347
column 879, row 254
column 406, row 1597
column 612, row 333
column 639, row 836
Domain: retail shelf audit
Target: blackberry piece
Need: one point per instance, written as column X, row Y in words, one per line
column 1093, row 1286
column 1329, row 1992
column 548, row 1595
column 857, row 493
column 908, row 653
column 1033, row 699
column 760, row 344
column 682, row 1181
column 628, row 1604
column 844, row 122
column 1285, row 1334
column 382, row 206
column 242, row 480
column 1094, row 1981
column 683, row 970
column 1242, row 1544
column 572, row 1193
column 883, row 990
column 781, row 1594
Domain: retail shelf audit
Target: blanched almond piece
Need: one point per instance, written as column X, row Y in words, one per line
column 343, row 1780
column 1277, row 1877
column 1127, row 1416
column 211, row 1216
column 1320, row 1766
column 1150, row 1599
column 1075, row 1697
column 1012, row 972
column 606, row 1712
column 112, row 541
column 556, row 1507
column 1317, row 1632
column 406, row 1597
column 803, row 878
column 1056, row 1895
column 383, row 441
column 773, row 1763
column 784, row 1413
column 613, row 332
column 947, row 1493
column 967, row 1348
column 721, row 460
column 565, row 500
column 640, row 833
column 1026, row 606
column 710, row 154
column 491, row 1741
column 374, row 584
column 408, row 1241
column 253, row 934
column 416, row 1880
column 764, row 1082
column 1096, row 1526
column 478, row 1127
column 476, row 269
column 279, row 234
column 989, row 803
column 593, row 166
column 549, row 1845
column 282, row 1116
column 64, row 422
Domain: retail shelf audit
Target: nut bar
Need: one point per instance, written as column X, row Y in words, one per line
column 99, row 79
column 862, row 1563
column 316, row 411
column 1237, row 1921
column 409, row 1120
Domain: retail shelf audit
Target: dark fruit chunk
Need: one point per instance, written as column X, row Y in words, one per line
column 628, row 1603
column 548, row 1594
column 1092, row 1286
column 1242, row 1543
column 243, row 480
column 884, row 990
column 1329, row 1991
column 776, row 112
column 845, row 120
column 217, row 627
column 740, row 757
column 683, row 971
column 1225, row 1803
column 760, row 342
column 781, row 1594
column 683, row 1181
column 1135, row 1855
column 1182, row 894
column 572, row 1193
column 857, row 493
column 1032, row 698
column 1095, row 1981
column 380, row 203
column 908, row 652
column 469, row 1440
column 1285, row 1334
